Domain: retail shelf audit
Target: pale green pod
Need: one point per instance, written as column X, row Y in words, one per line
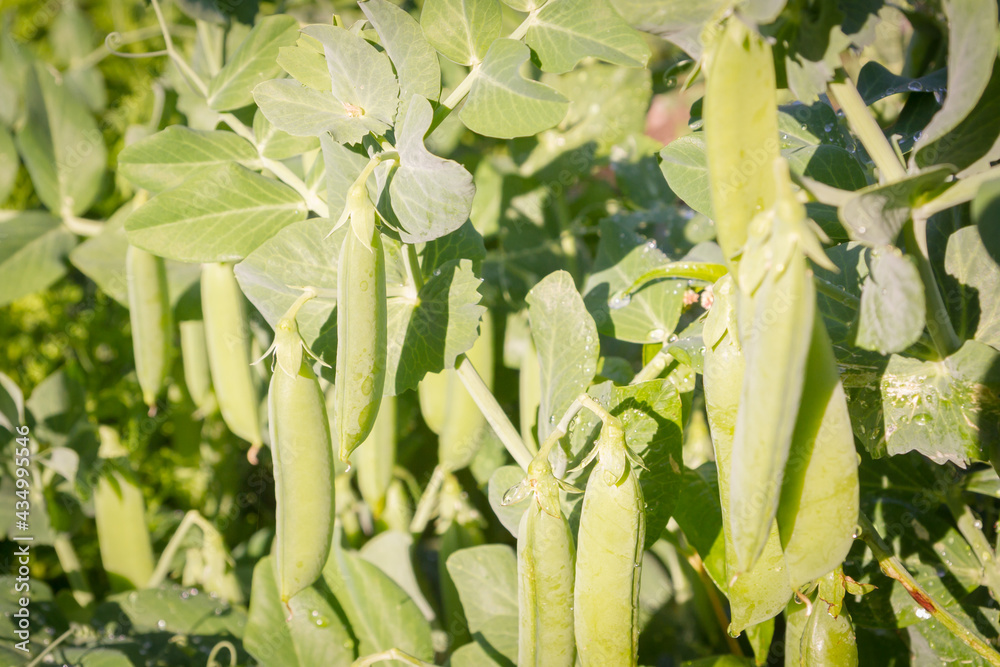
column 194, row 356
column 149, row 313
column 120, row 513
column 433, row 394
column 461, row 434
column 302, row 452
column 795, row 623
column 398, row 512
column 227, row 337
column 741, row 130
column 828, row 640
column 818, row 510
column 545, row 576
column 530, row 394
column 763, row 592
column 361, row 333
column 609, row 557
column 376, row 458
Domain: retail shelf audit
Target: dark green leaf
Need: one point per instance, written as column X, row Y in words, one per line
column 892, row 303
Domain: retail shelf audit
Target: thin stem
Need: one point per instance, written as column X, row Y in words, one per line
column 412, row 263
column 51, row 647
column 192, row 518
column 656, row 365
column 938, row 322
column 218, row 648
column 70, row 563
column 391, row 654
column 82, row 226
column 863, row 124
column 962, row 191
column 182, row 65
column 428, row 501
column 121, row 39
column 713, row 599
column 494, row 414
column 461, row 90
column 595, row 407
column 836, row 293
column 893, row 568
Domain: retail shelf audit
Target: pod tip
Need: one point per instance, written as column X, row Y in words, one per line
column 252, row 453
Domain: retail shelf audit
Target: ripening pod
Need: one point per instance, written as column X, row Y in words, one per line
column 149, row 313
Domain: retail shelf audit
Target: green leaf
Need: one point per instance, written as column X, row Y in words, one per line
column 163, row 160
column 809, row 125
column 33, row 247
column 680, row 22
column 11, row 404
column 304, row 112
column 971, row 24
column 273, row 275
column 9, row 164
column 306, row 63
column 277, row 145
column 219, row 214
column 173, row 609
column 381, row 614
column 462, row 30
column 427, row 333
column 699, row 515
column 501, row 480
column 431, row 196
column 474, row 655
column 875, row 214
column 61, row 145
column 875, row 82
column 267, row 633
column 463, row 243
column 947, row 410
column 253, row 62
column 651, row 312
column 564, row 32
column 893, row 311
column 343, row 166
column 390, row 552
column 486, row 579
column 415, row 59
column 566, row 340
column 685, row 166
column 831, row 165
column 504, row 104
column 968, row 260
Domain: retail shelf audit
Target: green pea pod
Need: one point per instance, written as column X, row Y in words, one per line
column 376, row 458
column 194, row 356
column 227, row 335
column 796, row 617
column 775, row 330
column 763, row 592
column 302, row 452
column 149, row 313
column 463, row 427
column 120, row 513
column 828, row 640
column 818, row 510
column 609, row 556
column 741, row 130
column 545, row 567
column 398, row 510
column 361, row 327
column 433, row 394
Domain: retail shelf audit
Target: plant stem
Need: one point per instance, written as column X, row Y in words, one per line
column 82, row 226
column 938, row 322
column 51, row 647
column 428, row 501
column 872, row 138
column 892, row 567
column 836, row 293
column 962, row 191
column 182, row 65
column 656, row 365
column 694, row 560
column 192, row 518
column 391, row 654
column 71, row 566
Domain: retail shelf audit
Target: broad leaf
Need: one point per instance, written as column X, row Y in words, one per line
column 173, row 609
column 462, row 30
column 390, row 552
column 305, row 112
column 892, row 311
column 566, row 340
column 276, row 144
column 9, row 164
column 219, row 214
column 253, row 62
column 430, row 196
column 875, row 82
column 649, row 314
column 504, row 104
column 164, row 160
column 502, row 479
column 486, row 579
column 680, row 22
column 61, row 145
column 876, row 214
column 306, row 63
column 685, row 167
column 699, row 515
column 831, row 165
column 416, row 62
column 969, row 261
column 947, row 410
column 343, row 166
column 33, row 247
column 566, row 31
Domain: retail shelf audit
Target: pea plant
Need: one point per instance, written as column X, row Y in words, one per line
column 471, row 333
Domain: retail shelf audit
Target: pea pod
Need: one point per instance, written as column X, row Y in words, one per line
column 377, row 457
column 149, row 313
column 828, row 640
column 194, row 357
column 398, row 511
column 433, row 394
column 361, row 325
column 545, row 571
column 302, row 452
column 741, row 130
column 763, row 592
column 120, row 513
column 461, row 434
column 609, row 555
column 227, row 335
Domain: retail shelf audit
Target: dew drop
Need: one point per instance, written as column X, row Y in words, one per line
column 915, row 86
column 828, row 127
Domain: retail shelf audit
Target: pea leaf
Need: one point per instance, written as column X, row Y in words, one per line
column 61, row 145
column 343, row 166
column 278, row 145
column 565, row 32
column 875, row 82
column 462, row 30
column 172, row 609
column 431, row 196
column 390, row 552
column 304, row 112
column 876, row 214
column 305, row 62
column 502, row 103
column 947, row 410
column 163, row 160
column 9, row 164
column 474, row 655
column 970, row 65
column 680, row 22
column 699, row 515
column 685, row 166
column 415, row 60
column 827, row 164
column 893, row 312
column 566, row 340
column 11, row 404
column 486, row 579
column 968, row 260
column 218, row 214
column 33, row 245
column 253, row 62
column 623, row 256
column 502, row 479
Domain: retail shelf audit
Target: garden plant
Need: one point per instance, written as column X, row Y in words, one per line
column 492, row 333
